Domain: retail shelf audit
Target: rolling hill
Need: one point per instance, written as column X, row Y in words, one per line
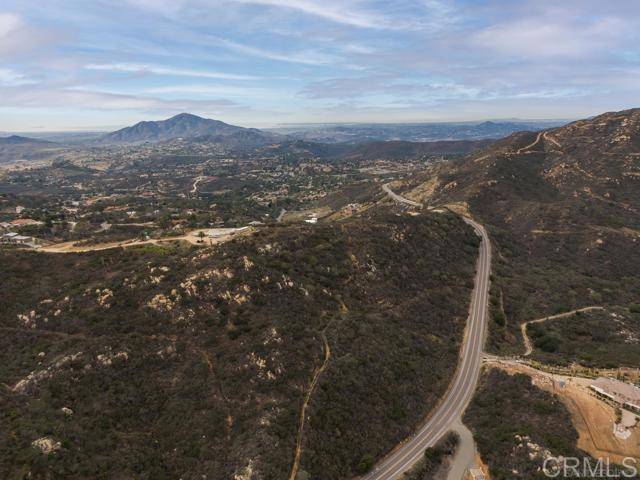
column 19, row 140
column 563, row 209
column 178, row 362
column 16, row 147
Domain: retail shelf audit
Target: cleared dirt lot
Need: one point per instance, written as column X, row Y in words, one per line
column 593, row 418
column 219, row 235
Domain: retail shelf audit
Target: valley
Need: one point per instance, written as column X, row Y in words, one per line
column 253, row 306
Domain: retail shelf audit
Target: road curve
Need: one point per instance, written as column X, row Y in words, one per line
column 394, row 196
column 464, row 383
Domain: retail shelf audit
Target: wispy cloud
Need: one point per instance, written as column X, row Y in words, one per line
column 339, row 12
column 18, row 37
column 10, row 77
column 9, row 23
column 36, row 96
column 225, row 91
column 169, row 71
column 316, row 60
column 305, row 58
column 545, row 37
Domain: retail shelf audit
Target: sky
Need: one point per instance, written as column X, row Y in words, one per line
column 102, row 64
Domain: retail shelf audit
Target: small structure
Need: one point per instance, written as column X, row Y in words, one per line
column 313, row 218
column 25, row 222
column 22, row 240
column 621, row 394
column 476, row 474
column 8, row 237
column 352, row 208
column 17, row 239
column 222, row 232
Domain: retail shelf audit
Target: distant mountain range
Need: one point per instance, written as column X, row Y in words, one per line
column 18, row 140
column 411, row 132
column 190, row 127
column 16, row 147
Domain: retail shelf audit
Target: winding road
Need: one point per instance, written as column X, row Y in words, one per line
column 394, row 196
column 461, row 390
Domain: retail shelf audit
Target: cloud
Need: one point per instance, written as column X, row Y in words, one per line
column 17, row 37
column 306, row 58
column 346, row 88
column 171, row 71
column 334, row 11
column 10, row 78
column 213, row 90
column 300, row 57
column 390, row 91
column 545, row 37
column 165, row 7
column 38, row 97
column 9, row 23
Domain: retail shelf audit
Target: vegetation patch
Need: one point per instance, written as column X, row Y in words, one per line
column 603, row 339
column 435, row 459
column 175, row 361
column 516, row 426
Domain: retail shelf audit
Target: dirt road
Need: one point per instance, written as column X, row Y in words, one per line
column 218, row 235
column 528, row 346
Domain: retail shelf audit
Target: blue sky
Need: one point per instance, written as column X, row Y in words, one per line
column 67, row 64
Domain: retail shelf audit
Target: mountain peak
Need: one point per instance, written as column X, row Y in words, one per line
column 185, row 116
column 190, row 127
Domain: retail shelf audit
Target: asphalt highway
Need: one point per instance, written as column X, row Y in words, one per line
column 398, row 198
column 460, row 392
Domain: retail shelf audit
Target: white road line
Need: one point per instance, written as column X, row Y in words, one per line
column 466, row 377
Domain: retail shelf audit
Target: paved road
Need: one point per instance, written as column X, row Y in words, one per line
column 461, row 390
column 398, row 198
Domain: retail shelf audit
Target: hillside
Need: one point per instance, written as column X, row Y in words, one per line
column 563, row 208
column 411, row 132
column 401, row 149
column 19, row 140
column 16, row 147
column 516, row 425
column 187, row 126
column 176, row 362
column 382, row 150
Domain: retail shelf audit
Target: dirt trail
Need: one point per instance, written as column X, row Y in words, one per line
column 528, row 347
column 206, row 356
column 551, row 139
column 194, row 187
column 520, row 150
column 192, row 237
column 305, row 404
